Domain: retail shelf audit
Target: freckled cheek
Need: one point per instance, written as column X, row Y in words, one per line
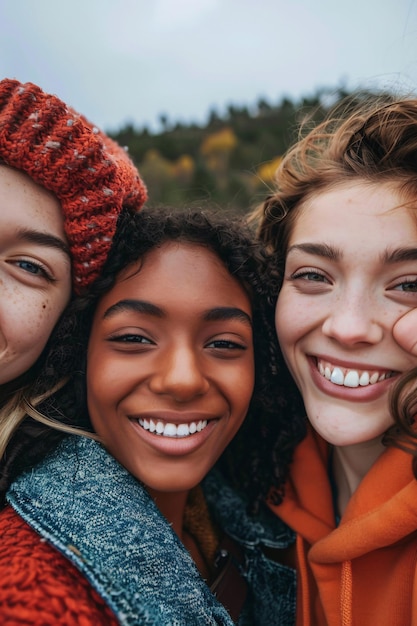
column 28, row 325
column 45, row 318
column 397, row 314
column 295, row 318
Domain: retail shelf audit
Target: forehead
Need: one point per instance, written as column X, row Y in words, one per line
column 357, row 211
column 23, row 199
column 180, row 271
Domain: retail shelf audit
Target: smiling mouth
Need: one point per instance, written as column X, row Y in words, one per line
column 167, row 429
column 352, row 377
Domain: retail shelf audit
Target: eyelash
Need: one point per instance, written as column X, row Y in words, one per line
column 303, row 274
column 407, row 282
column 219, row 344
column 131, row 338
column 42, row 269
column 306, row 273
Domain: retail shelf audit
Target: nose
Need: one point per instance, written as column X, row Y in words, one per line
column 180, row 374
column 354, row 319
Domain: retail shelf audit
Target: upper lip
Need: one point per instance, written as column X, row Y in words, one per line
column 351, row 365
column 174, row 417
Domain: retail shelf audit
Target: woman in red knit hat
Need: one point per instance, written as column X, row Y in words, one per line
column 63, row 184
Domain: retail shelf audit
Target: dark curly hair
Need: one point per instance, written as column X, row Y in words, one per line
column 259, row 456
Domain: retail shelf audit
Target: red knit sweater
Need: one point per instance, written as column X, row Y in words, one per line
column 39, row 586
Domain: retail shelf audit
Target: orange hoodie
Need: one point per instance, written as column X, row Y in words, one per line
column 363, row 572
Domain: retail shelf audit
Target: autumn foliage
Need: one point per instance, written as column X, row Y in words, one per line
column 230, row 162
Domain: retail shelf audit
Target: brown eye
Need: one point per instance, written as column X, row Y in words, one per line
column 130, row 338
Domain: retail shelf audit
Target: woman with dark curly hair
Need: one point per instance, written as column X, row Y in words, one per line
column 343, row 226
column 149, row 378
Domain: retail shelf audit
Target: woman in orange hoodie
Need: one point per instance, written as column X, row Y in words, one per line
column 343, row 224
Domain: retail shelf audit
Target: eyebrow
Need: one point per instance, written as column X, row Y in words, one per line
column 331, row 253
column 137, row 306
column 44, row 239
column 142, row 306
column 399, row 255
column 318, row 249
column 225, row 313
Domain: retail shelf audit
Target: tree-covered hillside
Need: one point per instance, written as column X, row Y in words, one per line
column 230, row 162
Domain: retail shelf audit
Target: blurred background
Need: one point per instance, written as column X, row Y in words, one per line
column 207, row 94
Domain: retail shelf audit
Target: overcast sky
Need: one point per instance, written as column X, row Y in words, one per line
column 121, row 61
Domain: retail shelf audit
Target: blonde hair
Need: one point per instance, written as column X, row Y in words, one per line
column 22, row 405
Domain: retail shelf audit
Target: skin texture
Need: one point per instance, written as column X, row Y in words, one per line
column 353, row 299
column 172, row 342
column 405, row 331
column 35, row 271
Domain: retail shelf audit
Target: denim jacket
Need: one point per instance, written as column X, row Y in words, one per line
column 102, row 519
column 272, row 587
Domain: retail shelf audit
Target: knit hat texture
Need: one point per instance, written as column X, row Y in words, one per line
column 90, row 174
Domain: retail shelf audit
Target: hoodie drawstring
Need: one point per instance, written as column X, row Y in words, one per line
column 346, row 594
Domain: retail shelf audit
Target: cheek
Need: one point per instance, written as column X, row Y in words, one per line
column 109, row 381
column 294, row 317
column 241, row 385
column 290, row 325
column 27, row 324
column 284, row 319
column 98, row 383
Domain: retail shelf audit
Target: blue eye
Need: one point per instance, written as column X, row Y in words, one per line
column 31, row 267
column 311, row 276
column 28, row 266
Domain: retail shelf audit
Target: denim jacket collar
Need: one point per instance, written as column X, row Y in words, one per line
column 102, row 519
column 230, row 508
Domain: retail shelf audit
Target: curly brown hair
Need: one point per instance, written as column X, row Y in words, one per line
column 260, row 454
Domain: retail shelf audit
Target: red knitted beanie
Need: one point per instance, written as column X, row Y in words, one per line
column 90, row 174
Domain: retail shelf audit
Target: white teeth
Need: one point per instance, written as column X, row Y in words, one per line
column 166, row 429
column 170, row 430
column 183, row 430
column 337, row 376
column 352, row 378
column 364, row 379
